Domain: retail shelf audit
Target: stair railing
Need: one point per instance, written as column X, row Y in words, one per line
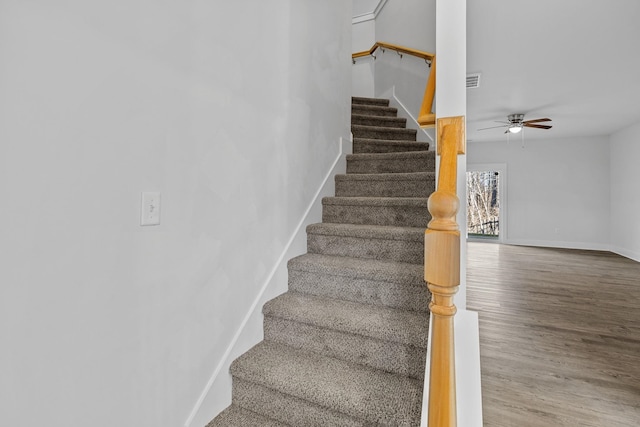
column 442, row 272
column 426, row 117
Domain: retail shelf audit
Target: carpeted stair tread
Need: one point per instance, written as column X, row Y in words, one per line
column 399, row 162
column 382, row 338
column 413, row 184
column 288, row 409
column 372, row 145
column 377, row 201
column 354, row 246
column 384, row 271
column 355, row 390
column 403, row 244
column 376, row 282
column 388, row 324
column 374, row 110
column 369, row 101
column 400, row 176
column 372, row 231
column 393, row 211
column 384, row 133
column 367, row 120
column 235, row 416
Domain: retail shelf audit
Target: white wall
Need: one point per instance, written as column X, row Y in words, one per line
column 451, row 99
column 625, row 192
column 410, row 23
column 232, row 110
column 363, row 37
column 557, row 189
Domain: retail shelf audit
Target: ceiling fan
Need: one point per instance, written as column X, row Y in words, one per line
column 516, row 123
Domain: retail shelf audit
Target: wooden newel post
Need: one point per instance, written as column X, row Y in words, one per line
column 442, row 273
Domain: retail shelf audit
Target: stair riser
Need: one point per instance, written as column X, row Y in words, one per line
column 286, row 408
column 394, row 134
column 381, row 147
column 383, row 188
column 378, row 354
column 392, row 122
column 419, row 164
column 401, row 216
column 356, row 247
column 404, row 296
column 374, row 110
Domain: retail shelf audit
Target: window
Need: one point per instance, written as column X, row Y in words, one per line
column 483, row 204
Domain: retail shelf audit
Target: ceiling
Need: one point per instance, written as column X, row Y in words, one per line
column 574, row 61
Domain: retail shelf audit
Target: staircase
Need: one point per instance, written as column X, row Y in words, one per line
column 346, row 345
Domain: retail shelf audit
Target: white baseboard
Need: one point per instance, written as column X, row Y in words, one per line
column 627, row 253
column 468, row 378
column 216, row 395
column 558, row 244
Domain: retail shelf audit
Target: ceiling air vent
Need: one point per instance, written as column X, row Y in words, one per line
column 473, row 81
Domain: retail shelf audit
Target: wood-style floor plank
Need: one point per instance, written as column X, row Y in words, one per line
column 559, row 335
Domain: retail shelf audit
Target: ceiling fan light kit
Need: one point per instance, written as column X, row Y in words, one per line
column 516, row 123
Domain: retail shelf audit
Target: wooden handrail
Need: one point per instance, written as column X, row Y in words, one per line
column 442, row 272
column 400, row 49
column 426, row 117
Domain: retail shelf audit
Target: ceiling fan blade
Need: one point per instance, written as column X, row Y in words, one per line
column 537, row 120
column 494, row 127
column 529, row 125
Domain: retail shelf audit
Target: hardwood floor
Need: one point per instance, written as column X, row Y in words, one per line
column 559, row 335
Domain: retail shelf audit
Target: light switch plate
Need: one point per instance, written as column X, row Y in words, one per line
column 150, row 210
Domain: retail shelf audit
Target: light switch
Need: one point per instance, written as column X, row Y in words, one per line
column 150, row 211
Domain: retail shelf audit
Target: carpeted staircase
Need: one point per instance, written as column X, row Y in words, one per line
column 346, row 345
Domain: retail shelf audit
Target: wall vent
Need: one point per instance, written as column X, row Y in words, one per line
column 473, row 81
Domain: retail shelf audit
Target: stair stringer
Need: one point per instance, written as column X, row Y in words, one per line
column 216, row 394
